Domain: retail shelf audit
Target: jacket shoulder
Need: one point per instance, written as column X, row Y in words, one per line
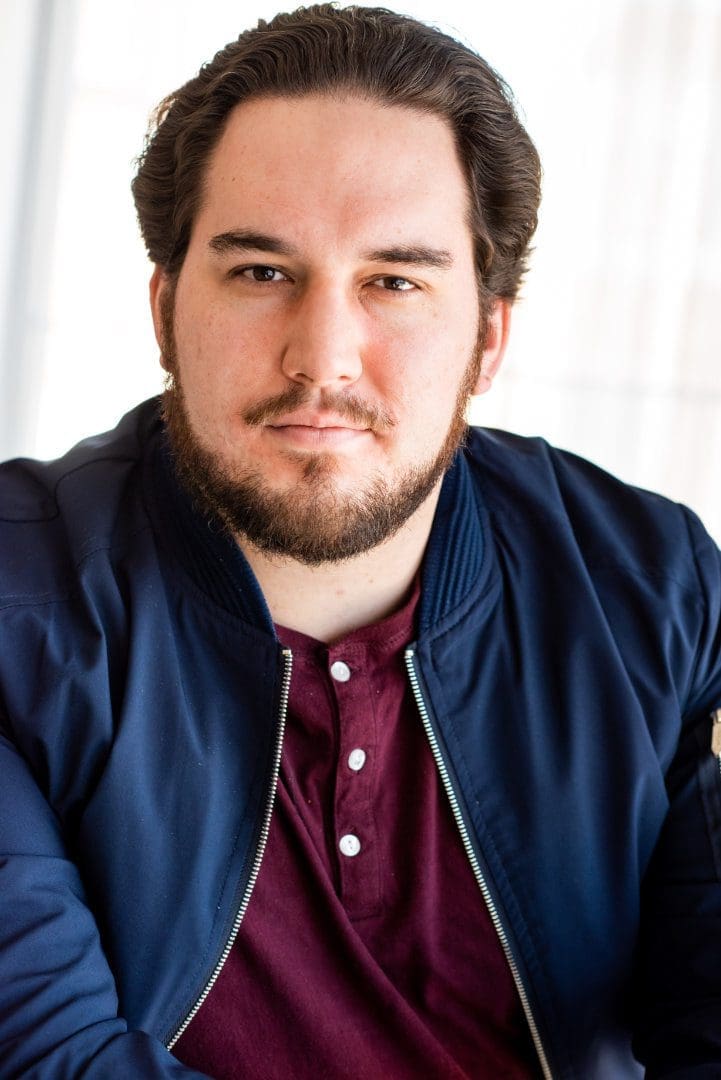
column 529, row 482
column 53, row 514
column 648, row 561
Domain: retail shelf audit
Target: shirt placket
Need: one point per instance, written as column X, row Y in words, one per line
column 355, row 826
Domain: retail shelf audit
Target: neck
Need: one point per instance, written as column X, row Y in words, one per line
column 333, row 599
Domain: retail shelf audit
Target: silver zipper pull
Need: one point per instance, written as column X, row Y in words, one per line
column 716, row 733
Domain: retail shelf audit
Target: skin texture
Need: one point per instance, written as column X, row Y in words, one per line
column 323, row 336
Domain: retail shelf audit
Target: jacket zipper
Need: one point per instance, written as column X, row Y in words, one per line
column 262, row 840
column 473, row 859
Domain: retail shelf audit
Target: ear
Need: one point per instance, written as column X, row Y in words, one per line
column 497, row 331
column 158, row 284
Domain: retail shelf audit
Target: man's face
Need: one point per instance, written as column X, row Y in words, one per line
column 324, row 331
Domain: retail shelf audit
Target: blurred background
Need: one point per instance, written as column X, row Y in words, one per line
column 617, row 340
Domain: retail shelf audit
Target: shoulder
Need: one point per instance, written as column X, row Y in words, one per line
column 530, row 485
column 565, row 529
column 54, row 514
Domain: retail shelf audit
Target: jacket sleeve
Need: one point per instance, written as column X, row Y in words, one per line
column 678, row 995
column 58, row 1003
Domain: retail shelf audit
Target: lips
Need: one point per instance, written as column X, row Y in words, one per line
column 319, row 422
column 304, row 431
column 295, row 407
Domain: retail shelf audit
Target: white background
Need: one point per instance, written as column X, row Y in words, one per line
column 617, row 341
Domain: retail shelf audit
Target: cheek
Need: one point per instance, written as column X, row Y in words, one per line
column 421, row 368
column 222, row 355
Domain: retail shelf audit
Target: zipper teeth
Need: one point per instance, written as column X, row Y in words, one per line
column 492, row 911
column 260, row 849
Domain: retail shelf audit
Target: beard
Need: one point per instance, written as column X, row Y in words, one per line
column 314, row 521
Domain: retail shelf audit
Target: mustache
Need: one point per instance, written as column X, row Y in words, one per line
column 346, row 405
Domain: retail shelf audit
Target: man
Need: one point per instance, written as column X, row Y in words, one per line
column 337, row 741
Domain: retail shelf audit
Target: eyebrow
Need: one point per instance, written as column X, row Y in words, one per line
column 246, row 240
column 414, row 255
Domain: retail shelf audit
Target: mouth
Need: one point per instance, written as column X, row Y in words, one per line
column 295, row 409
column 316, row 431
column 317, row 422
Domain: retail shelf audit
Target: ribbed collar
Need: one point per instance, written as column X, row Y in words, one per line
column 202, row 545
column 456, row 561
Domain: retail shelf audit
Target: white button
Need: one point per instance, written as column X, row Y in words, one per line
column 340, row 671
column 357, row 759
column 349, row 844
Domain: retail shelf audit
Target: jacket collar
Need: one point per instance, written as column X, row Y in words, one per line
column 456, row 563
column 202, row 545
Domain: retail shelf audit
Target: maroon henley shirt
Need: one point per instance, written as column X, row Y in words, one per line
column 367, row 952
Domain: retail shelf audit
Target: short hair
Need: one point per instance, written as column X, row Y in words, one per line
column 373, row 53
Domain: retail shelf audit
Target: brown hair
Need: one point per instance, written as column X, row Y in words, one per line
column 378, row 54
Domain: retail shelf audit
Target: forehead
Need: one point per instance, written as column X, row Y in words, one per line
column 338, row 168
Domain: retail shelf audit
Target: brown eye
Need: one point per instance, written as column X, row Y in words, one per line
column 396, row 284
column 262, row 273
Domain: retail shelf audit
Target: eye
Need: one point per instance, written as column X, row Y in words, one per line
column 395, row 284
column 261, row 273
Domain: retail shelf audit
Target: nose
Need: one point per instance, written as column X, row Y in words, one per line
column 324, row 345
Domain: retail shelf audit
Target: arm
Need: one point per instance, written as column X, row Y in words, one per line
column 679, row 984
column 58, row 1002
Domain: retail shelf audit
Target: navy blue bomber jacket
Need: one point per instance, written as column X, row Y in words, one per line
column 567, row 670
